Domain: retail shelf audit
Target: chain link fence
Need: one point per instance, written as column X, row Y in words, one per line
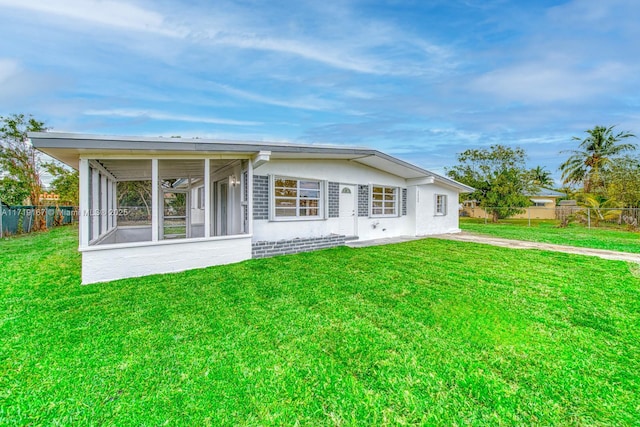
column 21, row 219
column 623, row 218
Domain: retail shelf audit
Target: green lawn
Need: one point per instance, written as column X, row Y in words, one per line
column 548, row 232
column 426, row 332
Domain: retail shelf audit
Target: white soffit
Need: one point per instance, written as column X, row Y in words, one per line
column 390, row 166
column 542, row 200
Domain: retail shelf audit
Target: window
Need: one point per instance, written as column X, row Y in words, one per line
column 539, row 204
column 200, row 198
column 441, row 204
column 296, row 198
column 384, row 201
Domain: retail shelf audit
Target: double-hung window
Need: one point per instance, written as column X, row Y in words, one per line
column 441, row 204
column 297, row 198
column 384, row 201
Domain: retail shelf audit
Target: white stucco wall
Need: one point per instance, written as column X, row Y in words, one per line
column 330, row 170
column 367, row 228
column 426, row 220
column 104, row 263
column 336, row 171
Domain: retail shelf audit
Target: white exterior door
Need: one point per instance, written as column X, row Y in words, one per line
column 347, row 214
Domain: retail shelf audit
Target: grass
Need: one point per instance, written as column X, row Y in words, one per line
column 427, row 332
column 547, row 231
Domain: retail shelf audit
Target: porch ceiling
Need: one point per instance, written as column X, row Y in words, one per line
column 140, row 169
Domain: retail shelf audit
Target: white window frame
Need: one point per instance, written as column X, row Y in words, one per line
column 440, row 207
column 396, row 201
column 321, row 200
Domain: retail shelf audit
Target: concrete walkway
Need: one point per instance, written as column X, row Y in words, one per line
column 513, row 244
column 520, row 244
column 378, row 242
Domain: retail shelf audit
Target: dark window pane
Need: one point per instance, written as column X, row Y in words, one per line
column 290, row 183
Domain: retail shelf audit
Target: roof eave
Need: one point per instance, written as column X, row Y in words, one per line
column 55, row 142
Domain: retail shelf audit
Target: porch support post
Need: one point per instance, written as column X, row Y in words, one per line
column 155, row 201
column 107, row 197
column 249, row 229
column 114, row 203
column 83, row 208
column 95, row 204
column 109, row 204
column 207, row 198
column 104, row 209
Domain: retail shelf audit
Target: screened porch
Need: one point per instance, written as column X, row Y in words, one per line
column 136, row 200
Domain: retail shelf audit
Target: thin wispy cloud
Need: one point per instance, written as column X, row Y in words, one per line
column 342, row 53
column 158, row 115
column 121, row 14
column 424, row 80
column 307, row 103
column 549, row 81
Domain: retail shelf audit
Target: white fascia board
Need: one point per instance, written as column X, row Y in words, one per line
column 421, row 181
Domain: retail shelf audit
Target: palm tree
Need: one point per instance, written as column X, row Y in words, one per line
column 541, row 177
column 595, row 210
column 596, row 151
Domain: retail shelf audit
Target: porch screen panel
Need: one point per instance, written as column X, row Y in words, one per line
column 134, row 206
column 181, row 214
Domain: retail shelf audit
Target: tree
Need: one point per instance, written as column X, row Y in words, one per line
column 623, row 181
column 541, row 177
column 596, row 152
column 19, row 160
column 12, row 192
column 66, row 183
column 596, row 209
column 499, row 176
column 135, row 193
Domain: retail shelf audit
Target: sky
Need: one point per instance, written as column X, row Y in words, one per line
column 420, row 80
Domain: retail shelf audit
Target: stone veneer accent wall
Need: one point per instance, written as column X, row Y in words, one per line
column 334, row 200
column 404, row 201
column 260, row 197
column 363, row 200
column 293, row 246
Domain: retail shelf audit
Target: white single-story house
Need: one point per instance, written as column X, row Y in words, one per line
column 217, row 201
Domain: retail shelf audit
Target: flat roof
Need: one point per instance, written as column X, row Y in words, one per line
column 69, row 147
